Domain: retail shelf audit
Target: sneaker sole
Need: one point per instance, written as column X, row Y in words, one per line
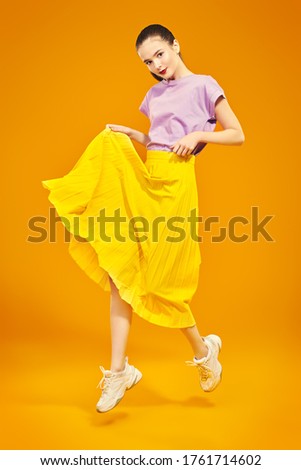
column 217, row 383
column 137, row 378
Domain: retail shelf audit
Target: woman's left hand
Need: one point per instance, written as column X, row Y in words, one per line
column 187, row 144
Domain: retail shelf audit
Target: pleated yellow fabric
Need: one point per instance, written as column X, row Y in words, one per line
column 147, row 247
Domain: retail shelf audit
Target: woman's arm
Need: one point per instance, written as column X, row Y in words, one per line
column 139, row 137
column 232, row 133
column 132, row 133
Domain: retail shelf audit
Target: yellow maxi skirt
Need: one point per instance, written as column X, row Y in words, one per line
column 130, row 220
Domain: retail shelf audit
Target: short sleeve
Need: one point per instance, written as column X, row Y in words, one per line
column 144, row 107
column 212, row 91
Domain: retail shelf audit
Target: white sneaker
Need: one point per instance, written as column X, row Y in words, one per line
column 115, row 384
column 210, row 370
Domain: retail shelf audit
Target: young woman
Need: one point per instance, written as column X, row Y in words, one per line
column 148, row 269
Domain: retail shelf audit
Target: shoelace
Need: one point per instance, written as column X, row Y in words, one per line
column 105, row 381
column 204, row 371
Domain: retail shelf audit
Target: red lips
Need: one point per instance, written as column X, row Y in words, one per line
column 163, row 71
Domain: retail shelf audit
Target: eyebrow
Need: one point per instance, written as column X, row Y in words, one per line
column 146, row 60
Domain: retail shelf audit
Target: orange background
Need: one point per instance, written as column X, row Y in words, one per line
column 68, row 69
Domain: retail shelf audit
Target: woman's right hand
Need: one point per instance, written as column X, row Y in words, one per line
column 117, row 128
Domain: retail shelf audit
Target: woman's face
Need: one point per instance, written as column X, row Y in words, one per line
column 159, row 56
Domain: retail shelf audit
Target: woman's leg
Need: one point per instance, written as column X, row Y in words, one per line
column 120, row 319
column 196, row 341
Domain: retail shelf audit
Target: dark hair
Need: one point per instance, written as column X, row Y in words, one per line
column 156, row 30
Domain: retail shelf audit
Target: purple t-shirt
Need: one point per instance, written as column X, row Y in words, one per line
column 177, row 107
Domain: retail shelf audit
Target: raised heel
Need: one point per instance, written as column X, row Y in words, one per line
column 217, row 339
